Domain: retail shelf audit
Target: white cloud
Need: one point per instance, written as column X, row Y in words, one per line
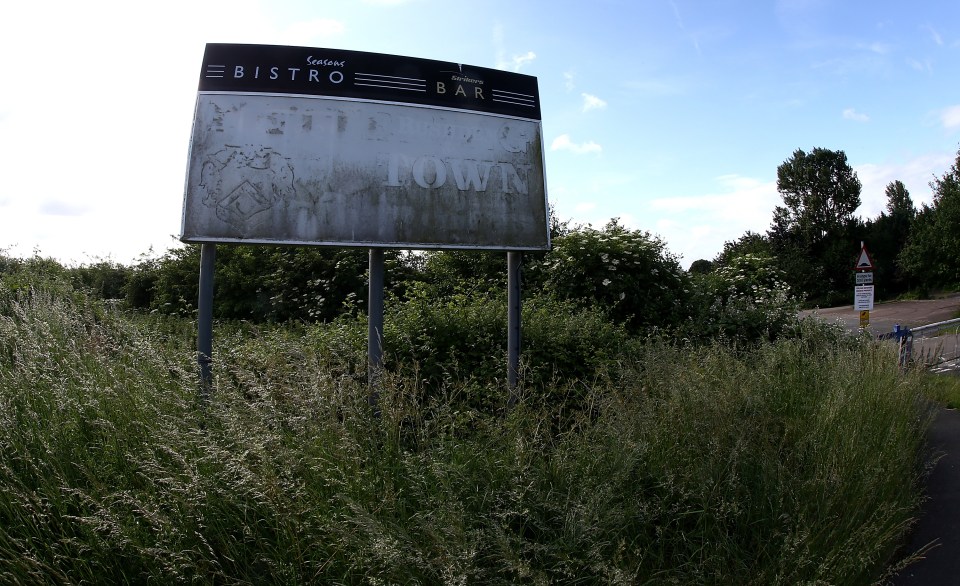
column 585, row 207
column 922, row 66
column 568, row 80
column 851, row 114
column 55, row 207
column 697, row 226
column 915, row 173
column 514, row 63
column 517, row 62
column 591, row 102
column 950, row 117
column 564, row 143
column 935, row 36
column 878, row 48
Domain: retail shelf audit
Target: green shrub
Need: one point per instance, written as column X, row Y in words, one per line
column 745, row 300
column 463, row 338
column 628, row 273
column 105, row 279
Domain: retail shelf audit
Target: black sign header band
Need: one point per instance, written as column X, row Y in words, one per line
column 367, row 76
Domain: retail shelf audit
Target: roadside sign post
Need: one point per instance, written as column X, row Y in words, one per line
column 863, row 292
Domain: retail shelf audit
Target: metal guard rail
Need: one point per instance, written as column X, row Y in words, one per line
column 934, row 346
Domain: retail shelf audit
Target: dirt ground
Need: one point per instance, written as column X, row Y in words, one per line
column 885, row 315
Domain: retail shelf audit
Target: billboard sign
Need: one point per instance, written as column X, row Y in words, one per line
column 295, row 145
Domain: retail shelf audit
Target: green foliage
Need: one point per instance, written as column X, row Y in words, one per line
column 815, row 234
column 749, row 243
column 23, row 276
column 701, row 266
column 461, row 340
column 886, row 237
column 794, row 463
column 263, row 283
column 105, row 279
column 745, row 300
column 628, row 273
column 944, row 389
column 452, row 272
column 928, row 255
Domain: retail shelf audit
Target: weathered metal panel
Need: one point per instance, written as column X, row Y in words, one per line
column 313, row 169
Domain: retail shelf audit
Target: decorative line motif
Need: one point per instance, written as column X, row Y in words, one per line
column 391, row 82
column 505, row 97
column 215, row 70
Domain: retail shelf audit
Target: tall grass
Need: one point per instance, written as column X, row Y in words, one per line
column 797, row 462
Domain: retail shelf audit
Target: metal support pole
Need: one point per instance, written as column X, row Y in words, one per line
column 375, row 324
column 513, row 323
column 208, row 256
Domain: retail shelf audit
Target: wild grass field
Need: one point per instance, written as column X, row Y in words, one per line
column 797, row 461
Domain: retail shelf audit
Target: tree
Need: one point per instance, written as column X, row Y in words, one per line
column 749, row 243
column 820, row 193
column 815, row 232
column 899, row 203
column 930, row 255
column 887, row 235
column 701, row 266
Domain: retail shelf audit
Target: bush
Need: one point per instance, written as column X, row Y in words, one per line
column 462, row 340
column 745, row 300
column 105, row 279
column 262, row 283
column 628, row 273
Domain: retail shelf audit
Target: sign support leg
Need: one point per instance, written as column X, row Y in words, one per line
column 513, row 323
column 208, row 256
column 375, row 324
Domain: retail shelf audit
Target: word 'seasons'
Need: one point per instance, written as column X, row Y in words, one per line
column 320, row 62
column 432, row 172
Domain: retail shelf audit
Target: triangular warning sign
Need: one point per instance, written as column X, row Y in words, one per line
column 864, row 263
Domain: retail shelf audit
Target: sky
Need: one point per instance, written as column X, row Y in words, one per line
column 671, row 115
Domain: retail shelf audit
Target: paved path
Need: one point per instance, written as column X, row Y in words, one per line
column 884, row 316
column 939, row 521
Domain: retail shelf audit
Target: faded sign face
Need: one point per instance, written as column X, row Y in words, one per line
column 308, row 170
column 361, row 149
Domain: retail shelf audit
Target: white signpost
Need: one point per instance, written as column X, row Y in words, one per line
column 863, row 291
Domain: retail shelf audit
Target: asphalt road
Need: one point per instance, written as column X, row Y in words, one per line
column 885, row 315
column 936, row 537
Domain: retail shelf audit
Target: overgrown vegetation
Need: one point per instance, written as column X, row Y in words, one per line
column 674, row 426
column 632, row 458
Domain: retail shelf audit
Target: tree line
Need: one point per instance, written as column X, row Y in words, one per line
column 815, row 236
column 750, row 289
